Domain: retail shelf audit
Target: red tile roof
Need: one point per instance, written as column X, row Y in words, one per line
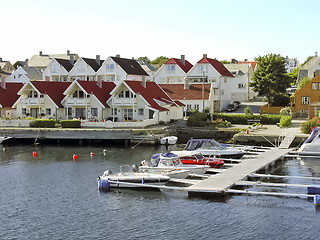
column 186, row 67
column 218, row 66
column 102, row 93
column 53, row 89
column 9, row 94
column 151, row 93
column 178, row 91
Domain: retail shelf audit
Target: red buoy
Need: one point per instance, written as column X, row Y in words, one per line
column 75, row 156
column 34, row 154
column 91, row 154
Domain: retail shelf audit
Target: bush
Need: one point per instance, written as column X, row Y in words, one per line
column 221, row 123
column 242, row 118
column 285, row 111
column 197, row 119
column 70, row 123
column 307, row 126
column 247, row 110
column 285, row 121
column 43, row 123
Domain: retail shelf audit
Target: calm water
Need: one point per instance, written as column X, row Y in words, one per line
column 52, row 197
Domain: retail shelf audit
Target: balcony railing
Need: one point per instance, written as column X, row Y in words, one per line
column 124, row 101
column 32, row 101
column 78, row 101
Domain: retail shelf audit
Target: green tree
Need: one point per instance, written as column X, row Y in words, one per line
column 144, row 59
column 159, row 61
column 271, row 79
column 293, row 76
column 225, row 62
column 303, row 82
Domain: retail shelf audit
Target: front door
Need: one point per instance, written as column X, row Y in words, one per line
column 81, row 113
column 127, row 114
column 34, row 112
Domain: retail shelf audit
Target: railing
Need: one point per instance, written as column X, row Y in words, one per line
column 78, row 101
column 124, row 101
column 110, row 124
column 14, row 123
column 32, row 101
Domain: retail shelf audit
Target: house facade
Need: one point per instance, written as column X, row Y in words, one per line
column 87, row 100
column 310, row 69
column 305, row 102
column 24, row 74
column 85, row 69
column 140, row 100
column 58, row 70
column 173, row 71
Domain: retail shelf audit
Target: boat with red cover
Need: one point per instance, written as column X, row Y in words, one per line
column 193, row 157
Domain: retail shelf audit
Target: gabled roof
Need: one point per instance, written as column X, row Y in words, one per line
column 53, row 89
column 185, row 67
column 93, row 63
column 130, row 66
column 178, row 91
column 253, row 64
column 310, row 63
column 43, row 60
column 32, row 73
column 65, row 63
column 217, row 65
column 152, row 93
column 9, row 94
column 244, row 68
column 102, row 93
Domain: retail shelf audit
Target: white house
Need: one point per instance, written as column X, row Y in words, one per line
column 291, row 63
column 87, row 100
column 116, row 69
column 141, row 100
column 25, row 74
column 208, row 70
column 173, row 71
column 310, row 69
column 58, row 70
column 41, row 99
column 85, row 69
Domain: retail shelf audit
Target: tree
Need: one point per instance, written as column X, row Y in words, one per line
column 159, row 61
column 144, row 59
column 294, row 76
column 271, row 79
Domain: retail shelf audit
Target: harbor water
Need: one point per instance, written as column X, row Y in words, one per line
column 52, row 196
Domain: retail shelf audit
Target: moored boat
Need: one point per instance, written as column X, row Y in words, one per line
column 194, row 157
column 169, row 140
column 312, row 143
column 212, row 148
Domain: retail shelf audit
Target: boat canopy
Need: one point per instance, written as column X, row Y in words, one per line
column 167, row 159
column 313, row 134
column 194, row 144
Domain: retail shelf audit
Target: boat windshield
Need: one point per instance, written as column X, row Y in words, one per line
column 164, row 159
column 315, row 131
column 195, row 144
column 212, row 145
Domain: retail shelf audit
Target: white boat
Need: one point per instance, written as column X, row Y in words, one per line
column 169, row 140
column 168, row 161
column 3, row 139
column 127, row 178
column 312, row 143
column 211, row 148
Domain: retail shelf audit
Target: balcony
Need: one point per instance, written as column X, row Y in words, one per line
column 125, row 101
column 32, row 101
column 78, row 101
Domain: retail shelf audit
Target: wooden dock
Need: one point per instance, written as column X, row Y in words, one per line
column 220, row 183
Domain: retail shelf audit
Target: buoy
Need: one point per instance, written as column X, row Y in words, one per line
column 104, row 152
column 34, row 154
column 247, row 131
column 75, row 156
column 92, row 154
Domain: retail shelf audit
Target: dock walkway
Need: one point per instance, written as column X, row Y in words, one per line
column 221, row 182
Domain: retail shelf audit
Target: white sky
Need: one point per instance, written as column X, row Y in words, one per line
column 223, row 29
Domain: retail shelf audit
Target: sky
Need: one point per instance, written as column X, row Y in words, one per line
column 222, row 29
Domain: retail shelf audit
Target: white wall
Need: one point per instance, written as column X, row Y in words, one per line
column 161, row 76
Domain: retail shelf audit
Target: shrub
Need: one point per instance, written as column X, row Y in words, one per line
column 285, row 111
column 285, row 121
column 43, row 123
column 70, row 123
column 221, row 123
column 307, row 126
column 242, row 118
column 197, row 119
column 247, row 110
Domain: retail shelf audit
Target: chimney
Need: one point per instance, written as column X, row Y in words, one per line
column 98, row 59
column 205, row 55
column 72, row 59
column 144, row 82
column 118, row 55
column 26, row 62
column 186, row 83
column 40, row 53
column 183, row 59
column 68, row 52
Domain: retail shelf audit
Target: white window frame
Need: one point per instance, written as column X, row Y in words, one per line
column 305, row 100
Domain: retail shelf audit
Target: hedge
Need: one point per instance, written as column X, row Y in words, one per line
column 43, row 123
column 285, row 121
column 306, row 127
column 70, row 123
column 242, row 118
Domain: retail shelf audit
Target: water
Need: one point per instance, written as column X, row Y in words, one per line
column 52, row 197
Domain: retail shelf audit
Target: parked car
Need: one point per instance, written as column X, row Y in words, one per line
column 237, row 104
column 231, row 107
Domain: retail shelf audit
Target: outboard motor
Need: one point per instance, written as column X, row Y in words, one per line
column 135, row 168
column 107, row 173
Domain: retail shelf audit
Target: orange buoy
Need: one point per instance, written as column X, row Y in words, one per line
column 247, row 131
column 34, row 154
column 92, row 154
column 75, row 156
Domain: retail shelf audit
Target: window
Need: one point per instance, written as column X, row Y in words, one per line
column 203, row 68
column 315, row 86
column 241, row 85
column 54, row 69
column 196, row 107
column 170, row 68
column 140, row 111
column 188, row 107
column 110, row 67
column 24, row 111
column 94, row 112
column 48, row 111
column 30, row 94
column 305, row 100
column 114, row 111
column 127, row 94
column 121, row 94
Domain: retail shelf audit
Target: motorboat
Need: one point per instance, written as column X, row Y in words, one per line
column 194, row 157
column 169, row 140
column 212, row 148
column 312, row 143
column 3, row 139
column 169, row 161
column 128, row 178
